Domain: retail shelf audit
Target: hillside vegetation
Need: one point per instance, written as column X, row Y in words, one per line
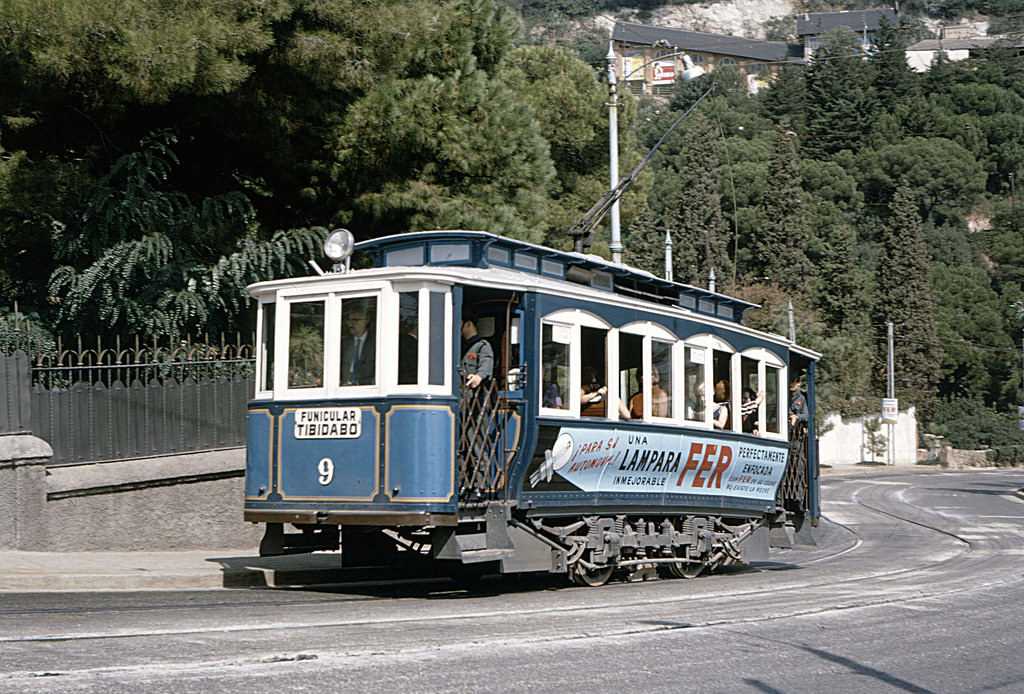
column 155, row 159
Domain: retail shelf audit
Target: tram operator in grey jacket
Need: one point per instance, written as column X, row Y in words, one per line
column 477, row 363
column 798, row 411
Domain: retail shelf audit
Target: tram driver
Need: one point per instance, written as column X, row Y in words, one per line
column 477, row 363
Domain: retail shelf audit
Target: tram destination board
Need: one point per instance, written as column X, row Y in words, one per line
column 328, row 423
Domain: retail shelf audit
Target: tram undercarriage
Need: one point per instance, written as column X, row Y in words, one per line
column 588, row 549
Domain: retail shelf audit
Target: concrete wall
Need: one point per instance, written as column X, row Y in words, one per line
column 23, row 460
column 177, row 502
column 844, row 442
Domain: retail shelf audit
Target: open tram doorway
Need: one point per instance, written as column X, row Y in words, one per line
column 490, row 346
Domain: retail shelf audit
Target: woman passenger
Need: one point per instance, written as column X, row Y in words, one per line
column 720, row 415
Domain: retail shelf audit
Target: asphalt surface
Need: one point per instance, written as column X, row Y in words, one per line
column 24, row 572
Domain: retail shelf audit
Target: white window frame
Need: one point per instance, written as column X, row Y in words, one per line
column 391, row 334
column 765, row 357
column 651, row 331
column 574, row 319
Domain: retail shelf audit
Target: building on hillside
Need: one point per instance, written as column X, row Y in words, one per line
column 812, row 26
column 649, row 58
column 922, row 54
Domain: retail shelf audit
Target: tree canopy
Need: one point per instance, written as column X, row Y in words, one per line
column 155, row 157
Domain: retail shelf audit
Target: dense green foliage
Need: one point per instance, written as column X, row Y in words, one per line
column 157, row 157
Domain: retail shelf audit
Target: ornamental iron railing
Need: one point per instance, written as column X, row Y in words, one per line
column 114, row 402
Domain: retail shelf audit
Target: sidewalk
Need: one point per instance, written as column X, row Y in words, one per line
column 23, row 572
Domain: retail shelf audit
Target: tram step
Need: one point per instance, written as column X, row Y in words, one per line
column 475, row 556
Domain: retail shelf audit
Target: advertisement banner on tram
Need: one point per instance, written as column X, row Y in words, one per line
column 601, row 460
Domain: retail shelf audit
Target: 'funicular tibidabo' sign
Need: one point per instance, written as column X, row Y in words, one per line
column 495, row 404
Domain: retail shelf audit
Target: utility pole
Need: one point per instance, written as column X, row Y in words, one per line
column 890, row 391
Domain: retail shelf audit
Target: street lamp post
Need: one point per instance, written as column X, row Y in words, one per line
column 613, row 153
column 691, row 72
column 582, row 231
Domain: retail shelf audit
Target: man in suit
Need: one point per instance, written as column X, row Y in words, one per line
column 358, row 350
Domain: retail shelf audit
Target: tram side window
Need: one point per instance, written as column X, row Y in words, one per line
column 750, row 388
column 593, row 380
column 306, row 345
column 267, row 345
column 358, row 341
column 555, row 341
column 631, row 361
column 772, row 377
column 696, row 389
column 408, row 337
column 661, row 378
column 722, row 412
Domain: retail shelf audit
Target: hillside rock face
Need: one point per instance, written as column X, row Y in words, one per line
column 733, row 17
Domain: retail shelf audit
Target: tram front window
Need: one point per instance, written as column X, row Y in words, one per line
column 267, row 345
column 358, row 342
column 408, row 337
column 306, row 345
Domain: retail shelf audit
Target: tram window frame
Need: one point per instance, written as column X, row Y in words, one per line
column 715, row 345
column 283, row 341
column 339, row 300
column 699, row 346
column 767, row 360
column 434, row 338
column 266, row 340
column 571, row 321
column 651, row 332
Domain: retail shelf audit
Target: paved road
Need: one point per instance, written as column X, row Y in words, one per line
column 915, row 586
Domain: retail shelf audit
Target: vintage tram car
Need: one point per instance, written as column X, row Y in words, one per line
column 613, row 433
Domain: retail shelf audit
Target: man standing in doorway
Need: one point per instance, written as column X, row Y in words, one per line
column 798, row 411
column 477, row 354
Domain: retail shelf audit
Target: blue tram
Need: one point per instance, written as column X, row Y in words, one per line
column 628, row 423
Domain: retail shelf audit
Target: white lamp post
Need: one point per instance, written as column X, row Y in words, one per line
column 691, row 72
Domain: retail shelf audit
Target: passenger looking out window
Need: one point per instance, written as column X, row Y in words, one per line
column 720, row 414
column 659, row 398
column 748, row 410
column 594, row 396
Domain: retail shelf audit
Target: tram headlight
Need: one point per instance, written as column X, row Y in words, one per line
column 339, row 244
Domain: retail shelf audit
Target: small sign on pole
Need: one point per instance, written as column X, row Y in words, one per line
column 890, row 410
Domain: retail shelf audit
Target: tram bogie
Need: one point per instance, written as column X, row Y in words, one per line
column 615, row 431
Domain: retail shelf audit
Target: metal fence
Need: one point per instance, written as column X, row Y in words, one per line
column 99, row 403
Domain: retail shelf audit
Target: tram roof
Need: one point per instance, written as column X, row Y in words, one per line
column 480, row 249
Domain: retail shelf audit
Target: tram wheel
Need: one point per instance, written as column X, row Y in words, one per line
column 685, row 569
column 582, row 576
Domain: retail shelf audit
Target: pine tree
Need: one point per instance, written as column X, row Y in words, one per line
column 893, row 80
column 906, row 298
column 780, row 243
column 645, row 245
column 840, row 101
column 695, row 210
